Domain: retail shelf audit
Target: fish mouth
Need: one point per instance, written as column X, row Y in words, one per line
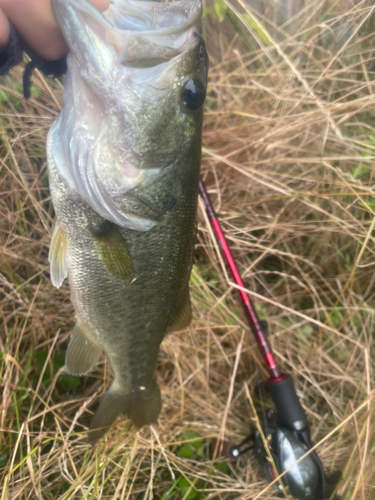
column 143, row 33
column 157, row 18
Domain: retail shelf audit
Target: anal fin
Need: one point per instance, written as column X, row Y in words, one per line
column 182, row 317
column 82, row 353
column 58, row 256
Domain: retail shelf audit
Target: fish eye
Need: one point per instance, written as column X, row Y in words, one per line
column 193, row 95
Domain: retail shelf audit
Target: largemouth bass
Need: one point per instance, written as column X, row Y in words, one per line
column 123, row 160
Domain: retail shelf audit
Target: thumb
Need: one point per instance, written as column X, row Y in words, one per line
column 35, row 22
column 4, row 30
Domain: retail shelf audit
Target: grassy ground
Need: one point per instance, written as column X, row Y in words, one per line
column 289, row 146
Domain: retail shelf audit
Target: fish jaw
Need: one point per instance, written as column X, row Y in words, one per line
column 130, row 34
column 123, row 121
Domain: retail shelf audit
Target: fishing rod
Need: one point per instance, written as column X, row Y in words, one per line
column 289, row 434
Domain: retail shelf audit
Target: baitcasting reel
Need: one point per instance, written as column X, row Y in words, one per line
column 305, row 480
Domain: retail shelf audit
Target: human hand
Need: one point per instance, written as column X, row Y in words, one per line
column 36, row 24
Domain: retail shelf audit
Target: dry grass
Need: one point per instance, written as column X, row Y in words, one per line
column 289, row 144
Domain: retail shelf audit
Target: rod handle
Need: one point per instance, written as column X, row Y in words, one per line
column 289, row 409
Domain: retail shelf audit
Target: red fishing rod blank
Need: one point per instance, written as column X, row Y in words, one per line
column 257, row 326
column 280, row 385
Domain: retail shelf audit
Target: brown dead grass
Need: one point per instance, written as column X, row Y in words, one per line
column 289, row 145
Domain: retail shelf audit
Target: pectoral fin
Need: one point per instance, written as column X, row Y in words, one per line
column 182, row 318
column 112, row 249
column 82, row 353
column 58, row 256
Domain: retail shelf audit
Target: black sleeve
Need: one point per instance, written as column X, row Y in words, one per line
column 13, row 55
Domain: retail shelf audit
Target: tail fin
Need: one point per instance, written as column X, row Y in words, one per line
column 141, row 410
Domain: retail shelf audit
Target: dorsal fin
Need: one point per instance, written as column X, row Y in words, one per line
column 182, row 317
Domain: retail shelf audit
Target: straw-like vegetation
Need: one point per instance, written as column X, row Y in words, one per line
column 288, row 152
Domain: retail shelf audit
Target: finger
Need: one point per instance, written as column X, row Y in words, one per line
column 38, row 27
column 101, row 4
column 4, row 30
